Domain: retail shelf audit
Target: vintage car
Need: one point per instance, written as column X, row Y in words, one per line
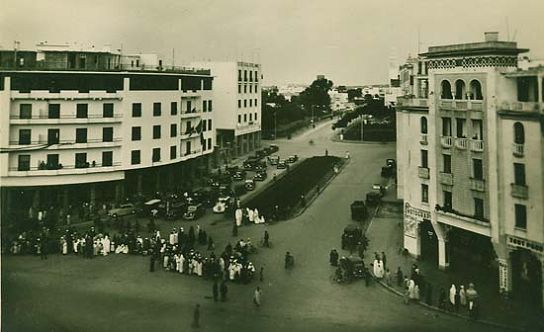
column 358, row 210
column 250, row 185
column 123, row 210
column 221, row 205
column 194, row 212
column 260, row 176
column 282, row 164
column 274, row 160
column 373, row 198
column 292, row 159
column 238, row 176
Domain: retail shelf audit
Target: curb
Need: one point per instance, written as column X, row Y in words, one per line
column 453, row 314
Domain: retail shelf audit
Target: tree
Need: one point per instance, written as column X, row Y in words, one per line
column 316, row 96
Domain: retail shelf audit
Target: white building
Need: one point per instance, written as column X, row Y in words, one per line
column 237, row 96
column 470, row 153
column 79, row 127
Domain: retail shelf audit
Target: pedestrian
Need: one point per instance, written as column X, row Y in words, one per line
column 223, row 289
column 215, row 291
column 453, row 291
column 400, row 277
column 196, row 317
column 462, row 296
column 326, row 152
column 261, row 274
column 257, row 297
column 333, row 257
column 472, row 301
column 384, row 259
column 266, row 239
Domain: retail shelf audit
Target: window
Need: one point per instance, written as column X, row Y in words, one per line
column 521, row 216
column 250, row 76
column 245, row 118
column 209, row 124
column 135, row 157
column 477, row 169
column 81, row 160
column 25, row 136
column 204, row 125
column 107, row 110
column 136, row 133
column 250, row 116
column 81, row 135
column 107, row 158
column 424, row 158
column 446, row 90
column 239, row 88
column 156, row 109
column 173, row 130
column 173, row 108
column 204, row 106
column 82, row 111
column 423, row 121
column 189, row 127
column 107, row 134
column 425, row 193
column 519, row 174
column 136, row 110
column 251, row 103
column 245, row 88
column 239, row 118
column 239, row 74
column 189, row 107
column 25, row 111
column 475, row 90
column 255, row 103
column 477, row 130
column 245, row 103
column 460, row 128
column 209, row 143
column 52, row 161
column 53, row 136
column 251, row 88
column 173, row 152
column 245, row 75
column 478, row 208
column 156, row 156
column 239, row 103
column 156, row 132
column 53, row 111
column 209, row 105
column 256, row 77
column 447, row 163
column 255, row 116
column 23, row 162
column 519, row 133
column 448, row 201
column 446, row 127
column 460, row 90
column 187, row 148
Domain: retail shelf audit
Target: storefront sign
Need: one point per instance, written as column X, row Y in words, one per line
column 503, row 275
column 526, row 244
column 412, row 217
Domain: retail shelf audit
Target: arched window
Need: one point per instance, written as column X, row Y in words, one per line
column 476, row 90
column 446, row 90
column 460, row 90
column 519, row 133
column 423, row 125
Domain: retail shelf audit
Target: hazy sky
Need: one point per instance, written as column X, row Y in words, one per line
column 348, row 41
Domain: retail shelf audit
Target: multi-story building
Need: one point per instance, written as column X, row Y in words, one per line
column 80, row 126
column 237, row 96
column 470, row 153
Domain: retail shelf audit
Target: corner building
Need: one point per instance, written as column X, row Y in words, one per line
column 80, row 126
column 470, row 158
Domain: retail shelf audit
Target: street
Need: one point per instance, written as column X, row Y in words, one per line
column 118, row 293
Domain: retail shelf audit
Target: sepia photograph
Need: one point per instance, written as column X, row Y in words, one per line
column 269, row 166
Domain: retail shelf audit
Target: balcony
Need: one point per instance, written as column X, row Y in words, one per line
column 446, row 141
column 194, row 114
column 65, row 95
column 41, row 119
column 60, row 169
column 66, row 144
column 461, row 105
column 521, row 106
column 518, row 150
column 476, row 145
column 412, row 102
column 186, row 94
column 520, row 190
column 477, row 185
column 460, row 220
column 461, row 143
column 423, row 140
column 446, row 178
column 423, row 172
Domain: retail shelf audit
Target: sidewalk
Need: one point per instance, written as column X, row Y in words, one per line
column 386, row 234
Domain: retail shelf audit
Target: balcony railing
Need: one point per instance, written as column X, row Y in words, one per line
column 423, row 172
column 66, row 143
column 520, row 190
column 46, row 169
column 446, row 141
column 461, row 143
column 521, row 106
column 518, row 149
column 477, row 184
column 423, row 140
column 192, row 114
column 412, row 102
column 461, row 105
column 446, row 178
column 477, row 145
column 64, row 116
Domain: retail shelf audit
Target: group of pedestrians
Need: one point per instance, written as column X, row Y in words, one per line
column 459, row 298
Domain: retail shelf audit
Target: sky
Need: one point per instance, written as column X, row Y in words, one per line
column 351, row 42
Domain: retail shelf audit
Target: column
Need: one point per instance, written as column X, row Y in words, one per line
column 443, row 259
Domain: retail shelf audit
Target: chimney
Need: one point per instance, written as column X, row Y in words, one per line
column 491, row 36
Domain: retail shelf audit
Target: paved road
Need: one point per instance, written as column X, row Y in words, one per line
column 117, row 292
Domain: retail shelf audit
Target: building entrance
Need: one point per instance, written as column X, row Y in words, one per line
column 526, row 277
column 429, row 242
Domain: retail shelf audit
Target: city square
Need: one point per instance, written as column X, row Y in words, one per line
column 223, row 187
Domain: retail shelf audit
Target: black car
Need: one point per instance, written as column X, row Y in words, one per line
column 260, row 176
column 238, row 176
column 282, row 164
column 292, row 159
column 274, row 148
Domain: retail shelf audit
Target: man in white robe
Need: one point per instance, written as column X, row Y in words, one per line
column 238, row 216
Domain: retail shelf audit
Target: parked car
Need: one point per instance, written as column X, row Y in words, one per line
column 292, row 159
column 250, row 185
column 379, row 189
column 274, row 148
column 194, row 212
column 221, row 205
column 391, row 163
column 373, row 198
column 122, row 210
column 274, row 160
column 358, row 210
column 238, row 176
column 260, row 176
column 282, row 164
